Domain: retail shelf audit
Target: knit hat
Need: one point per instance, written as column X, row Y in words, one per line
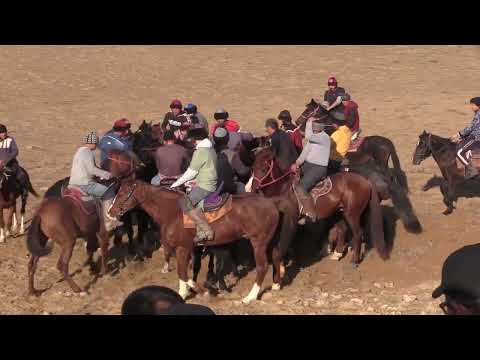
column 91, row 138
column 176, row 104
column 3, row 129
column 475, row 100
column 220, row 114
column 316, row 126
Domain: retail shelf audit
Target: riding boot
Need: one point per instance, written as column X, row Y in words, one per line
column 204, row 231
column 307, row 202
column 470, row 171
column 110, row 222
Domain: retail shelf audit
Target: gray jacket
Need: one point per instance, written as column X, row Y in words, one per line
column 84, row 168
column 317, row 149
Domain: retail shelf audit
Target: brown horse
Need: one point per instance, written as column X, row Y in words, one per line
column 242, row 220
column 377, row 148
column 351, row 194
column 10, row 191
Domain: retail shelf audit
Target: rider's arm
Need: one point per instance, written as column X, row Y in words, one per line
column 191, row 172
column 303, row 155
column 309, row 129
column 89, row 165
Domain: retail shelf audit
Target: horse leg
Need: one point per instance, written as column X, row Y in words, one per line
column 197, row 261
column 340, row 243
column 277, row 272
column 261, row 263
column 167, row 253
column 22, row 213
column 14, row 221
column 102, row 237
column 2, row 227
column 32, row 268
column 355, row 227
column 447, row 188
column 8, row 223
column 183, row 257
column 63, row 261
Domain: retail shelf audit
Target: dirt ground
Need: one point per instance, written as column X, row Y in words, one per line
column 52, row 95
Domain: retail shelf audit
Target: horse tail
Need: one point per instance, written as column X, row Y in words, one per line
column 36, row 239
column 30, row 188
column 403, row 208
column 397, row 169
column 376, row 225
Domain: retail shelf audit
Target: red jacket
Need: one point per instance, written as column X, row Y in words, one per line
column 297, row 139
column 230, row 125
column 351, row 111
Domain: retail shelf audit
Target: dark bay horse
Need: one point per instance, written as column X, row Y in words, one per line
column 10, row 191
column 378, row 148
column 443, row 152
column 351, row 194
column 242, row 220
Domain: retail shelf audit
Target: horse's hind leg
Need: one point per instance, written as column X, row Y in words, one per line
column 355, row 227
column 261, row 263
column 9, row 219
column 277, row 273
column 32, row 267
column 63, row 261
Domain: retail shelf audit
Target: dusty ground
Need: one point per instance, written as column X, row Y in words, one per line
column 51, row 95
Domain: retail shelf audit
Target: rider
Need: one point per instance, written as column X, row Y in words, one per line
column 171, row 159
column 233, row 164
column 8, row 158
column 286, row 120
column 119, row 138
column 314, row 162
column 222, row 120
column 333, row 100
column 236, row 137
column 176, row 116
column 341, row 139
column 469, row 139
column 82, row 173
column 195, row 116
column 352, row 117
column 203, row 168
column 283, row 148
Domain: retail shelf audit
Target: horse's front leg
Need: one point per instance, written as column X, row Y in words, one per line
column 448, row 191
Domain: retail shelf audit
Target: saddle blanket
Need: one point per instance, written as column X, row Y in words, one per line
column 211, row 216
column 87, row 204
column 322, row 188
column 355, row 145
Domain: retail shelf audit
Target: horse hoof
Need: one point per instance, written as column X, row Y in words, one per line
column 355, row 266
column 336, row 256
column 82, row 293
column 247, row 300
column 276, row 287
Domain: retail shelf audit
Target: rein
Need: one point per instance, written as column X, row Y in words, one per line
column 270, row 173
column 313, row 112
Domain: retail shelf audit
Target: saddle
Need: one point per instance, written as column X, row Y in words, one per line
column 322, row 188
column 473, row 156
column 215, row 207
column 86, row 203
column 355, row 144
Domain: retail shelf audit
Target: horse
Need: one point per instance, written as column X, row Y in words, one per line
column 10, row 191
column 241, row 220
column 443, row 152
column 351, row 194
column 63, row 220
column 378, row 148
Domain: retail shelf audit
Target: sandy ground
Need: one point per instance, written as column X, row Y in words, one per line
column 52, row 95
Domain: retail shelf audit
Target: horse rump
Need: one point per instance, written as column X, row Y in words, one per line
column 36, row 239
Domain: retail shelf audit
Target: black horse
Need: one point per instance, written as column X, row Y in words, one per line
column 443, row 152
column 378, row 148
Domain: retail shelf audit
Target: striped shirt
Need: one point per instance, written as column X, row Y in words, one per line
column 8, row 150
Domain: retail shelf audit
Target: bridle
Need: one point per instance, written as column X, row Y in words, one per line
column 309, row 115
column 270, row 173
column 422, row 155
column 130, row 195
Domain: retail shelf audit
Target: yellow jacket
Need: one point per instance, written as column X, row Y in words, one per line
column 340, row 143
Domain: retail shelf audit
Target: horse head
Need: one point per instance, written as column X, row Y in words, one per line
column 423, row 150
column 125, row 199
column 123, row 164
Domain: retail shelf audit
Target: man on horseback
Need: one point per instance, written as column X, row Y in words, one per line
column 314, row 162
column 222, row 120
column 171, row 159
column 469, row 139
column 352, row 118
column 281, row 145
column 8, row 159
column 116, row 139
column 175, row 117
column 82, row 173
column 333, row 100
column 195, row 117
column 229, row 166
column 203, row 168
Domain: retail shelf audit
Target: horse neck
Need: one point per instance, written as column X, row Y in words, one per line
column 151, row 197
column 443, row 151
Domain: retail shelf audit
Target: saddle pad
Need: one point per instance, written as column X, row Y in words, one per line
column 322, row 188
column 87, row 204
column 210, row 216
column 212, row 203
column 354, row 145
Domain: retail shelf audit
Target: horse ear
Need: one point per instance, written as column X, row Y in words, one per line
column 313, row 102
column 424, row 132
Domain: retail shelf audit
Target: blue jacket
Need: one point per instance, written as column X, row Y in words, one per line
column 109, row 142
column 472, row 131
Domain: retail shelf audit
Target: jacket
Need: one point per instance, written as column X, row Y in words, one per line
column 84, row 168
column 317, row 150
column 341, row 139
column 8, row 150
column 283, row 149
column 472, row 131
column 352, row 117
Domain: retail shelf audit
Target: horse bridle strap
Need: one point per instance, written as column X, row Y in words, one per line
column 313, row 112
column 270, row 173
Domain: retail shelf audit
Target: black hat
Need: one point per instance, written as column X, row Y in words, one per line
column 198, row 133
column 188, row 309
column 475, row 100
column 3, row 129
column 461, row 273
column 220, row 114
column 285, row 116
column 144, row 301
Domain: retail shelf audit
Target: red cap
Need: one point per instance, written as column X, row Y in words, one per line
column 332, row 81
column 121, row 124
column 176, row 104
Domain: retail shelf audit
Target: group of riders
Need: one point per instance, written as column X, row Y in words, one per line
column 300, row 148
